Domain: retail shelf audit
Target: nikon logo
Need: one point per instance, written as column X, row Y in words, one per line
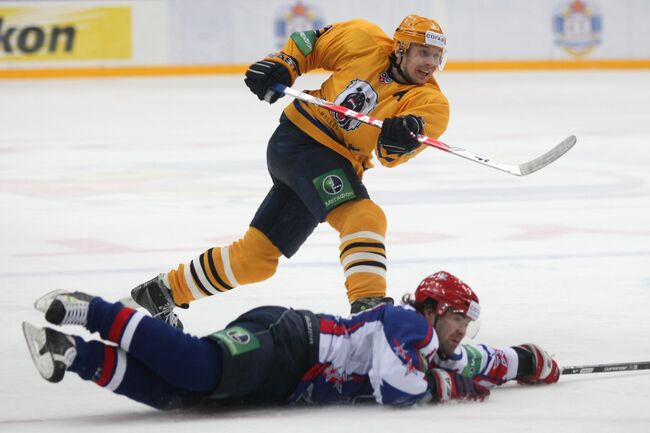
column 33, row 39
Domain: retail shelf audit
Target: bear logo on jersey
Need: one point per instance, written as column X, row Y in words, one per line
column 358, row 96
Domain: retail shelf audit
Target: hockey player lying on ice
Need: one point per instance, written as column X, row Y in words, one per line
column 396, row 355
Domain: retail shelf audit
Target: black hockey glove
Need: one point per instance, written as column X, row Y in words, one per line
column 262, row 75
column 399, row 134
column 448, row 385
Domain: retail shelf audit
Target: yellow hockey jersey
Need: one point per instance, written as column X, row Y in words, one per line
column 357, row 53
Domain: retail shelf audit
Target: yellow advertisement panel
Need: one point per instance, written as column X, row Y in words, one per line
column 65, row 33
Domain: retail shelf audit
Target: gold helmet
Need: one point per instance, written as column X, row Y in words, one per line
column 420, row 30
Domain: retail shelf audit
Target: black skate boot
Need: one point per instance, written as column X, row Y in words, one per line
column 52, row 351
column 364, row 304
column 64, row 308
column 156, row 298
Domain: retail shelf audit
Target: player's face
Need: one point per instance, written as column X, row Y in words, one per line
column 451, row 329
column 420, row 62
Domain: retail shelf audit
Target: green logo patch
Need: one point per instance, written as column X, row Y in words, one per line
column 474, row 359
column 334, row 188
column 237, row 339
column 304, row 41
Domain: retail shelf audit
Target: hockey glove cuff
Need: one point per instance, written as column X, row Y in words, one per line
column 544, row 367
column 398, row 135
column 448, row 385
column 262, row 75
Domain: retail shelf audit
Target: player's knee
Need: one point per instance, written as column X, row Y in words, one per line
column 260, row 268
column 356, row 215
column 254, row 258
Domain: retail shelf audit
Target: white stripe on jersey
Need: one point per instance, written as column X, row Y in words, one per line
column 120, row 370
column 125, row 342
column 350, row 353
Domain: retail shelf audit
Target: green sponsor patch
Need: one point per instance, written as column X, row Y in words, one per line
column 305, row 41
column 474, row 359
column 237, row 339
column 334, row 188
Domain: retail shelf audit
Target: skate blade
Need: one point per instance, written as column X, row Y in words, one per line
column 35, row 338
column 44, row 302
column 129, row 302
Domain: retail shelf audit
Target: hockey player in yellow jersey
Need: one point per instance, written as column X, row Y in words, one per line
column 317, row 158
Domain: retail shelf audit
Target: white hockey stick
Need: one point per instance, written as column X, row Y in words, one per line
column 518, row 170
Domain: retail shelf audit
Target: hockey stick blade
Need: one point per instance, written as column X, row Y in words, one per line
column 550, row 156
column 517, row 170
column 606, row 368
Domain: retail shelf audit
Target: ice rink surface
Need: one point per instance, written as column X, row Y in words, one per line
column 105, row 183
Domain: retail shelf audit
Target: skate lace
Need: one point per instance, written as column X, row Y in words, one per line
column 167, row 314
column 76, row 313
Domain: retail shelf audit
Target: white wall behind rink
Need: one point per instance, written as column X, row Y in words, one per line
column 230, row 31
column 234, row 32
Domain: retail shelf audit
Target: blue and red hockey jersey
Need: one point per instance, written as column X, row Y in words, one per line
column 383, row 354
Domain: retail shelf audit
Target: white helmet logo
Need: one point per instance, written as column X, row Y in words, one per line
column 435, row 39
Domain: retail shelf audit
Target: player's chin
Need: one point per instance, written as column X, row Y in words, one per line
column 448, row 349
column 421, row 77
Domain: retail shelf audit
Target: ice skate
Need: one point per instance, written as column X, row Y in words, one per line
column 367, row 303
column 64, row 308
column 156, row 297
column 52, row 351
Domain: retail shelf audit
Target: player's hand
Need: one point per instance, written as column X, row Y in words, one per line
column 448, row 385
column 545, row 369
column 262, row 75
column 399, row 134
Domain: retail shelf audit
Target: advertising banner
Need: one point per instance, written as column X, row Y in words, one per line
column 57, row 32
column 224, row 36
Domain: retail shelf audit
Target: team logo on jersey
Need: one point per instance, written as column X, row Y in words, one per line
column 358, row 96
column 335, row 376
column 299, row 19
column 238, row 336
column 577, row 27
column 334, row 188
column 332, row 184
column 237, row 340
column 403, row 355
column 385, row 78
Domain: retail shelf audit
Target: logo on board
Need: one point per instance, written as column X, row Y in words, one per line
column 296, row 18
column 577, row 26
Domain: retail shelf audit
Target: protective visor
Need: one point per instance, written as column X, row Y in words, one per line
column 440, row 41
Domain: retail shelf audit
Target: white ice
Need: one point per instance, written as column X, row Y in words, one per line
column 104, row 183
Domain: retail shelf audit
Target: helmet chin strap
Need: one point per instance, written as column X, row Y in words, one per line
column 398, row 66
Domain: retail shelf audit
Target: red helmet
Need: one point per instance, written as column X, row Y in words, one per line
column 449, row 292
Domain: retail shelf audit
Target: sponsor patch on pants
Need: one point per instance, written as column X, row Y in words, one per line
column 334, row 188
column 238, row 340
